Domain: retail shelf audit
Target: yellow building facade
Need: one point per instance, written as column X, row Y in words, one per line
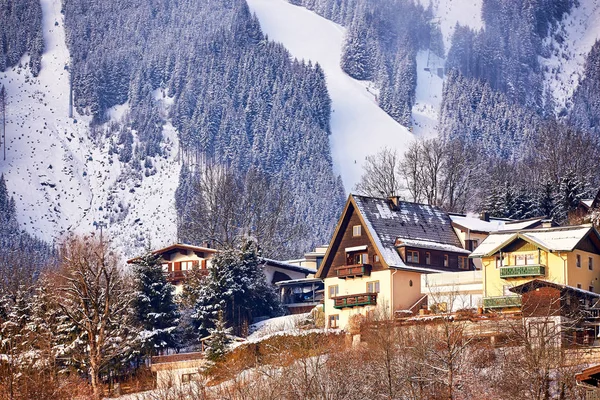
column 565, row 255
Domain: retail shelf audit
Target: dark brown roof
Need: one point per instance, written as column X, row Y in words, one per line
column 406, row 220
column 590, row 376
column 538, row 283
column 178, row 246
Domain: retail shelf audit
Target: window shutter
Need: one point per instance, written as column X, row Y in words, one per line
column 203, row 264
column 178, row 266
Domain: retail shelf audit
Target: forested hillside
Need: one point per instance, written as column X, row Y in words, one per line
column 381, row 45
column 21, row 33
column 22, row 256
column 238, row 100
column 497, row 102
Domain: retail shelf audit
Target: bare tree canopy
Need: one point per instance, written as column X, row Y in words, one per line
column 380, row 176
column 226, row 207
column 92, row 294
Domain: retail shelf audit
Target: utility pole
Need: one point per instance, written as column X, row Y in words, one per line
column 100, row 225
column 3, row 102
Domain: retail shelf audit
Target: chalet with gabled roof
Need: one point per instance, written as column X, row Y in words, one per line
column 568, row 255
column 378, row 252
column 179, row 259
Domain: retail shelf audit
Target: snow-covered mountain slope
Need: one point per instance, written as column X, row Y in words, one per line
column 61, row 179
column 430, row 82
column 359, row 127
column 570, row 43
column 447, row 13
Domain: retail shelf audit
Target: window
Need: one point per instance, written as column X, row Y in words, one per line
column 361, row 258
column 412, row 256
column 334, row 321
column 579, row 286
column 428, row 258
column 165, row 267
column 185, row 378
column 590, row 263
column 188, row 265
column 445, row 260
column 578, row 260
column 410, row 283
column 520, row 259
column 373, row 287
column 333, row 291
column 499, row 261
column 376, row 258
column 463, row 262
column 356, row 230
column 530, row 259
column 591, row 288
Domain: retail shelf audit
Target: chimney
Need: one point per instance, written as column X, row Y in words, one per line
column 484, row 216
column 395, row 200
column 547, row 223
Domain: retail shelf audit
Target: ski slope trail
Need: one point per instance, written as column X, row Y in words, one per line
column 358, row 126
column 62, row 178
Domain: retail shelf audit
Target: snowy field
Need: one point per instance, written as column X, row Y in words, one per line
column 60, row 178
column 359, row 127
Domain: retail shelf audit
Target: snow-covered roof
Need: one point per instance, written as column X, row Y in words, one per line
column 426, row 244
column 289, row 267
column 409, row 221
column 293, row 282
column 521, row 224
column 551, row 239
column 179, row 246
column 476, row 224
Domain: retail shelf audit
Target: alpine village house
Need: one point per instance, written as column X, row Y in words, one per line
column 379, row 250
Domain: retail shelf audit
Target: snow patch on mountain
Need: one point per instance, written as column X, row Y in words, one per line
column 569, row 44
column 428, row 95
column 448, row 13
column 359, row 127
column 63, row 176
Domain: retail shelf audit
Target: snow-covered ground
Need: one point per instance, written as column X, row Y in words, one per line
column 428, row 96
column 571, row 43
column 60, row 178
column 359, row 127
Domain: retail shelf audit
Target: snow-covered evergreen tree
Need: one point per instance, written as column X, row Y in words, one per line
column 236, row 286
column 154, row 306
column 219, row 339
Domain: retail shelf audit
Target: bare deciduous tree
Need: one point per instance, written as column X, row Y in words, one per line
column 380, row 176
column 227, row 207
column 92, row 294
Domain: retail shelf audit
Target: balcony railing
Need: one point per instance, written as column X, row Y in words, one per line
column 355, row 300
column 175, row 276
column 502, row 302
column 351, row 271
column 520, row 271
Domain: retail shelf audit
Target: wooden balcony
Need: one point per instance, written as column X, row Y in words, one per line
column 502, row 302
column 176, row 276
column 522, row 271
column 353, row 271
column 355, row 300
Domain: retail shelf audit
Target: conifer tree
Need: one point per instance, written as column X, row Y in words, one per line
column 236, row 286
column 220, row 338
column 154, row 306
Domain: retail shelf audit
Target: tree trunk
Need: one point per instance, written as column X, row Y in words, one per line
column 95, row 377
